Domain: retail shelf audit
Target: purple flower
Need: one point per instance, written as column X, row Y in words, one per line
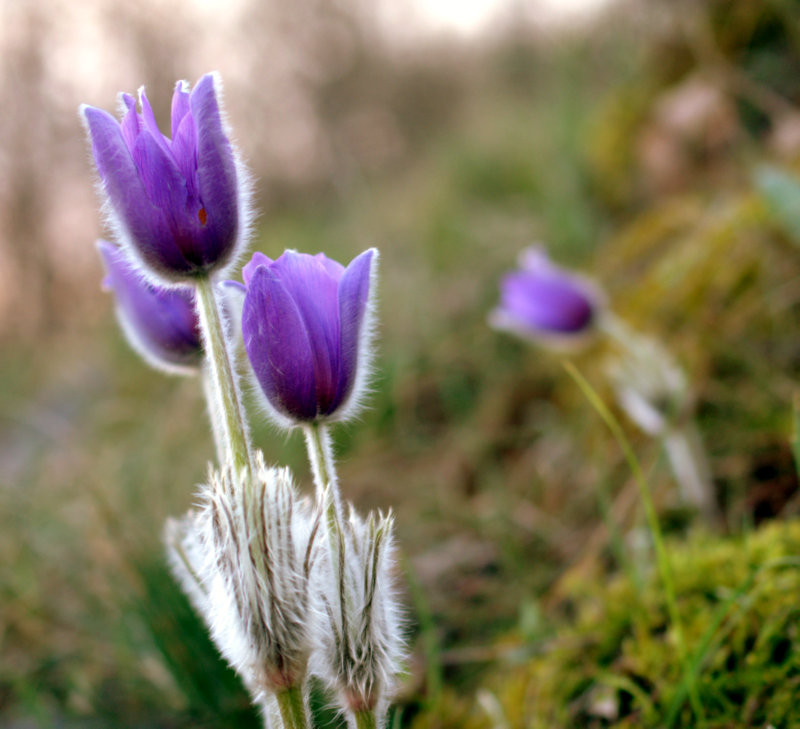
column 160, row 323
column 543, row 301
column 178, row 203
column 306, row 331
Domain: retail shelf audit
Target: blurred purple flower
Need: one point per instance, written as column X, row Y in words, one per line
column 306, row 331
column 178, row 203
column 545, row 302
column 159, row 323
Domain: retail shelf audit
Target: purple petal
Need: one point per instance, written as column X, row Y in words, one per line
column 216, row 181
column 334, row 268
column 161, row 324
column 184, row 147
column 131, row 122
column 180, row 106
column 536, row 260
column 114, row 162
column 353, row 294
column 171, row 217
column 278, row 346
column 235, row 286
column 554, row 303
column 165, row 185
column 150, row 123
column 258, row 259
column 127, row 192
column 314, row 291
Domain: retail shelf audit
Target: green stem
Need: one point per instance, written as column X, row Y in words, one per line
column 293, row 708
column 655, row 532
column 210, row 396
column 365, row 719
column 226, row 406
column 320, row 454
column 323, row 468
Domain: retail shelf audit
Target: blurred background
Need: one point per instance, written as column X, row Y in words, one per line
column 653, row 144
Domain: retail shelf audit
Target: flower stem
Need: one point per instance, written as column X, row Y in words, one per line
column 662, row 558
column 210, row 396
column 320, row 453
column 226, row 407
column 293, row 708
column 365, row 719
column 323, row 468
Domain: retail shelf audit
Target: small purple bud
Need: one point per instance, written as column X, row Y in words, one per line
column 178, row 204
column 545, row 302
column 306, row 331
column 159, row 323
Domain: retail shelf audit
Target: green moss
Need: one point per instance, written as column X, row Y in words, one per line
column 614, row 662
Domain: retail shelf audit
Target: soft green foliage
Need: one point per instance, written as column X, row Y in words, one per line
column 610, row 660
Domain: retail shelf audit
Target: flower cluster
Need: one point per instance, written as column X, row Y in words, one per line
column 285, row 584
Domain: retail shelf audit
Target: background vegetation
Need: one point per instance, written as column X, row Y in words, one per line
column 657, row 149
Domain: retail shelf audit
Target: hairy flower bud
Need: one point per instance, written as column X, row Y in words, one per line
column 246, row 561
column 178, row 203
column 362, row 647
column 306, row 329
column 159, row 323
column 544, row 302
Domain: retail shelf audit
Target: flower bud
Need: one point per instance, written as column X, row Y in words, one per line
column 362, row 647
column 542, row 301
column 159, row 323
column 306, row 329
column 179, row 204
column 246, row 559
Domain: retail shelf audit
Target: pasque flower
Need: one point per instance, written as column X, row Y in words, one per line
column 178, row 203
column 305, row 323
column 542, row 301
column 160, row 323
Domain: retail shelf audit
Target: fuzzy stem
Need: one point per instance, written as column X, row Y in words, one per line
column 365, row 719
column 293, row 708
column 320, row 454
column 323, row 468
column 227, row 405
column 209, row 393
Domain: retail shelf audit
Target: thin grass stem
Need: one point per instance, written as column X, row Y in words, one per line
column 662, row 558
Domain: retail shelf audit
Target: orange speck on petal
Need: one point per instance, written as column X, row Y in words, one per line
column 202, row 215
